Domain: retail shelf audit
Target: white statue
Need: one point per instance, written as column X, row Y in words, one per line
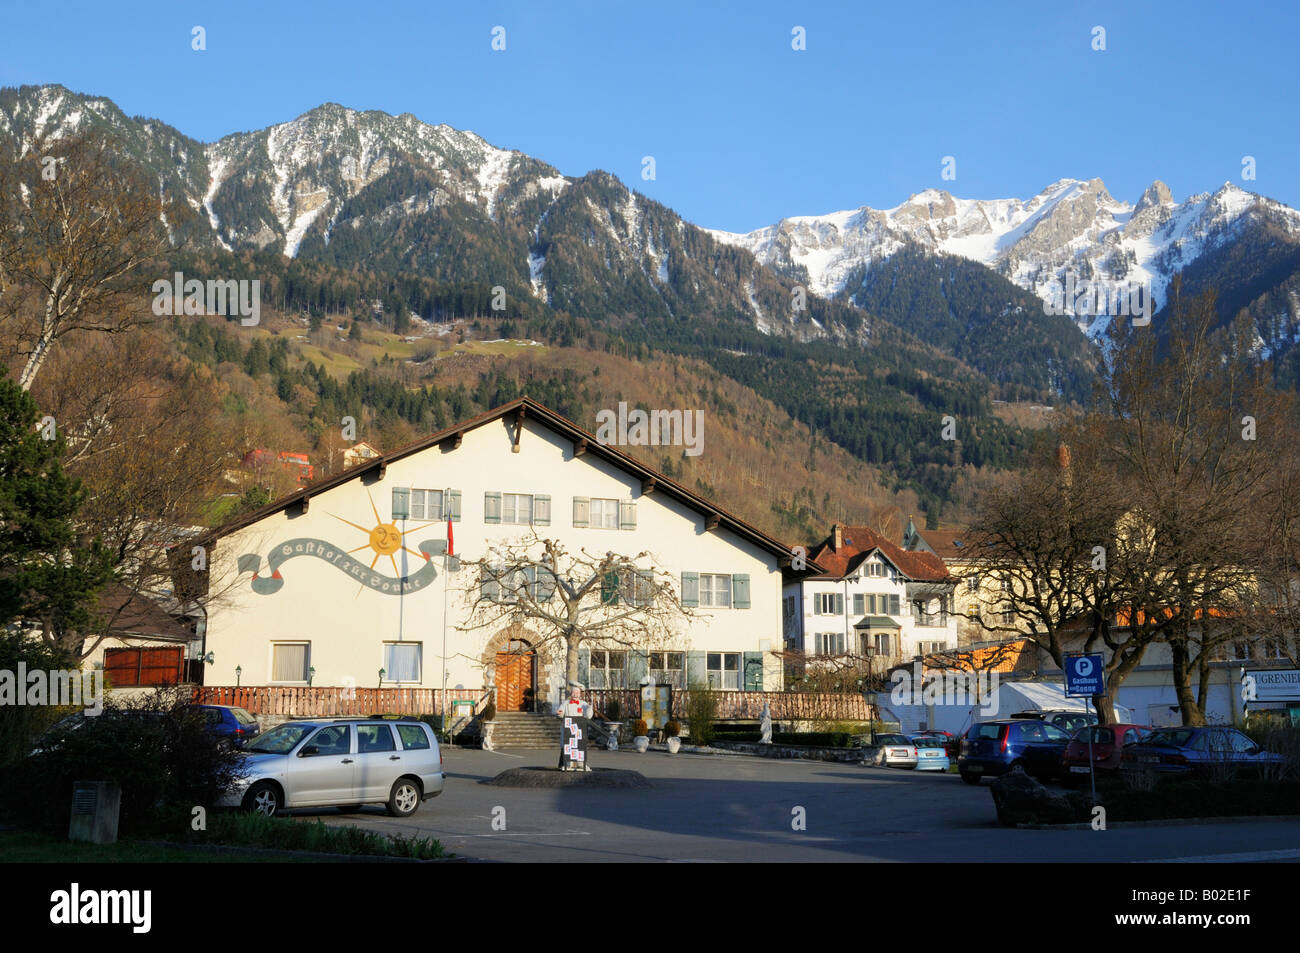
column 765, row 725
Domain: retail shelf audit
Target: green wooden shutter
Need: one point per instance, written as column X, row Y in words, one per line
column 638, row 667
column 609, row 589
column 401, row 502
column 690, row 589
column 837, row 608
column 491, row 588
column 584, row 670
column 581, row 511
column 859, row 604
column 453, row 505
column 740, row 591
column 545, row 584
column 753, row 669
column 627, row 514
column 491, row 507
column 541, row 510
column 894, row 606
column 697, row 674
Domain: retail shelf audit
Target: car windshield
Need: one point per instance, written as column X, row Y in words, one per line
column 243, row 717
column 280, row 739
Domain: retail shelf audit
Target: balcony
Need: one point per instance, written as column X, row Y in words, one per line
column 931, row 620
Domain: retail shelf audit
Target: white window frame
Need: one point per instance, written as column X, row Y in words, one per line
column 600, row 676
column 823, row 599
column 421, row 499
column 666, row 673
column 828, row 643
column 719, row 677
column 306, row 665
column 419, row 663
column 707, row 590
column 510, row 505
column 602, row 513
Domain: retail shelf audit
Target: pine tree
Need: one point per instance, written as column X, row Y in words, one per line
column 47, row 575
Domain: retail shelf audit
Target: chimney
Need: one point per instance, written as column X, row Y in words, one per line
column 837, row 537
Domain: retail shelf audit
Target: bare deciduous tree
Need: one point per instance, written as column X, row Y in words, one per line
column 574, row 599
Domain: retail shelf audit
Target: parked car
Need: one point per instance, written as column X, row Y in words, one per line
column 992, row 748
column 931, row 753
column 1067, row 720
column 229, row 723
column 1108, row 743
column 950, row 741
column 339, row 762
column 1211, row 751
column 889, row 749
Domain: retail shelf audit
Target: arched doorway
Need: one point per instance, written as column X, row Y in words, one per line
column 515, row 676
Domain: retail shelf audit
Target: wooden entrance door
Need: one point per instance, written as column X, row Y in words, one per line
column 514, row 680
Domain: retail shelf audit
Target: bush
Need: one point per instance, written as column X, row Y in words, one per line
column 613, row 707
column 672, row 729
column 702, row 715
column 22, row 725
column 641, row 728
column 156, row 747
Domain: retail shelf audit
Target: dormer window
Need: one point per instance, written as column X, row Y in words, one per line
column 875, row 569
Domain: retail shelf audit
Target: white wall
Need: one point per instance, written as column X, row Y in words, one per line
column 347, row 623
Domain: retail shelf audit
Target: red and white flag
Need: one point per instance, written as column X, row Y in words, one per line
column 450, row 547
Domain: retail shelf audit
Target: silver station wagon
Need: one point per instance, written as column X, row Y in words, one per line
column 339, row 762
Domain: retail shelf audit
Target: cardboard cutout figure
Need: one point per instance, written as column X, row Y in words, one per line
column 575, row 712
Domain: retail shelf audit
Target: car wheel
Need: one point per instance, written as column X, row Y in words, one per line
column 263, row 798
column 404, row 799
column 970, row 778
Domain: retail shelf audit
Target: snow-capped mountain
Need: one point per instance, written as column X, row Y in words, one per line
column 1072, row 227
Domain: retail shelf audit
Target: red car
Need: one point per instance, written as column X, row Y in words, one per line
column 950, row 741
column 1108, row 742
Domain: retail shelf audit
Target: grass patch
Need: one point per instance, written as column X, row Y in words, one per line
column 274, row 833
column 30, row 847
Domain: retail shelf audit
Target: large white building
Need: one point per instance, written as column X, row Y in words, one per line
column 325, row 586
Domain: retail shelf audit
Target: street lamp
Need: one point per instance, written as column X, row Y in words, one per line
column 382, row 673
column 239, row 670
column 311, row 673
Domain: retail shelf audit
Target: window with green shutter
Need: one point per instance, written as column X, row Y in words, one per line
column 697, row 673
column 541, row 510
column 753, row 666
column 609, row 589
column 627, row 514
column 740, row 591
column 690, row 589
column 581, row 511
column 491, row 507
column 453, row 505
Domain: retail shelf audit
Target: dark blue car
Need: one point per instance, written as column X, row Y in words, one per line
column 1209, row 751
column 232, row 724
column 993, row 748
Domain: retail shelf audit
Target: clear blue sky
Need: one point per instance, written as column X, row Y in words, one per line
column 744, row 130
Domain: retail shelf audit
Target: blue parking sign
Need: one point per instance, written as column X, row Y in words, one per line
column 1084, row 675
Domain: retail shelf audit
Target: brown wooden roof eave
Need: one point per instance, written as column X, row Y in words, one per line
column 555, row 422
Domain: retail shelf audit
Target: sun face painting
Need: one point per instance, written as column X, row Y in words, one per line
column 382, row 539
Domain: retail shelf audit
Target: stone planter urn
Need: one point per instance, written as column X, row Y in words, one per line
column 641, row 743
column 674, row 745
column 611, row 743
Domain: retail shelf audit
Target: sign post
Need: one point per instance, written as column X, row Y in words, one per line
column 1086, row 675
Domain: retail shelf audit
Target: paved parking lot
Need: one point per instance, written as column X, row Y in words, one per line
column 726, row 808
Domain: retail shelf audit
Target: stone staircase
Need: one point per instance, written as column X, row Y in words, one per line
column 523, row 729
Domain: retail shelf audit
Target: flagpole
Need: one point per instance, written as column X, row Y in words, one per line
column 446, row 581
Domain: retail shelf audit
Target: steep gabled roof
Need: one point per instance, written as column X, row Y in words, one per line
column 859, row 542
column 523, row 408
